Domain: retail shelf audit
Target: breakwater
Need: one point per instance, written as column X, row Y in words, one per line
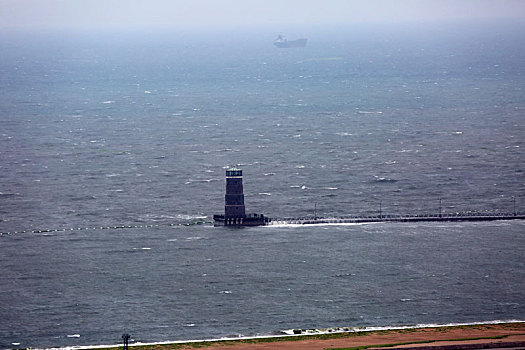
column 111, row 227
column 307, row 221
column 398, row 218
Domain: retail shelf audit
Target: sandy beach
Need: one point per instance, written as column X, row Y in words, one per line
column 465, row 337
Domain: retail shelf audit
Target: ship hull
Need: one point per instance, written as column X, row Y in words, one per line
column 287, row 44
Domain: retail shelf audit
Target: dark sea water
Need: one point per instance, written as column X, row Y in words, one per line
column 105, row 129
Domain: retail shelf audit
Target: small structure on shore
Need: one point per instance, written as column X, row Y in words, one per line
column 234, row 210
column 125, row 338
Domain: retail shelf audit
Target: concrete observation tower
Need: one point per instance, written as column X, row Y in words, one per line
column 234, row 210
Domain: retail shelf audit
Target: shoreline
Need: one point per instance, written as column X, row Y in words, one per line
column 511, row 331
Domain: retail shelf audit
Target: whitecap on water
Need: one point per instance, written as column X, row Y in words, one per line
column 206, row 180
column 369, row 112
column 73, row 335
column 265, row 194
column 156, row 217
column 384, row 179
column 190, row 217
column 9, row 194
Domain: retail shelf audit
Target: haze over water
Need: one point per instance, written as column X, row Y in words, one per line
column 134, row 129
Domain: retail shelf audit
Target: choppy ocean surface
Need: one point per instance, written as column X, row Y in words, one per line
column 133, row 129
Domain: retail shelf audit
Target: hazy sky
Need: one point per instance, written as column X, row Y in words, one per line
column 202, row 13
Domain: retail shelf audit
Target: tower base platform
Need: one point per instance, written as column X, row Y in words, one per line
column 248, row 220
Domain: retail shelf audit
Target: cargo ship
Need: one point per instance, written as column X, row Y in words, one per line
column 283, row 43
